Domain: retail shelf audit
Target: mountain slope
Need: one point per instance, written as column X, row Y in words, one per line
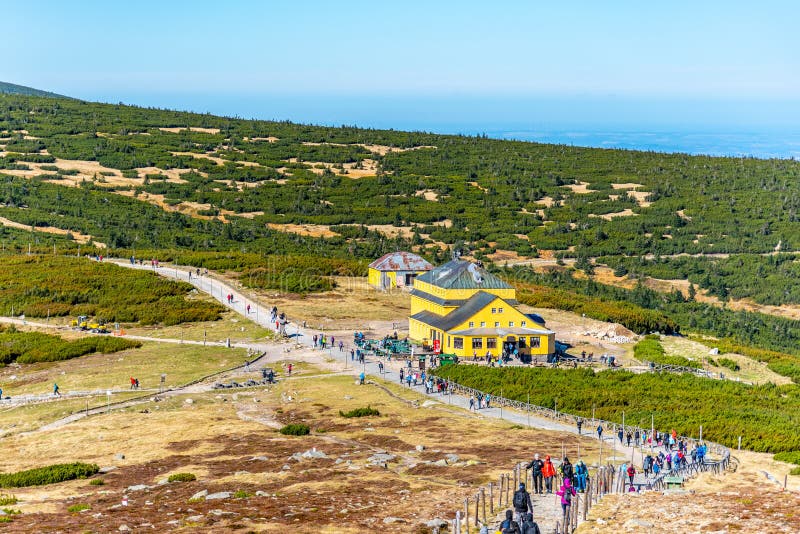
column 14, row 89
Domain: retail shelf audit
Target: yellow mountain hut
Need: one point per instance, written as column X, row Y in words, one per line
column 396, row 269
column 465, row 310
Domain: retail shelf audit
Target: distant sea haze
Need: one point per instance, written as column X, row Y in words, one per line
column 759, row 145
column 766, row 129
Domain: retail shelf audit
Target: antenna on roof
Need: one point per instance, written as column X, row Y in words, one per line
column 456, row 254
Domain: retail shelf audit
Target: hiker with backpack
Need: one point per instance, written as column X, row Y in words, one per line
column 581, row 476
column 522, row 502
column 567, row 492
column 528, row 525
column 631, row 473
column 579, row 424
column 548, row 472
column 508, row 525
column 567, row 470
column 536, row 467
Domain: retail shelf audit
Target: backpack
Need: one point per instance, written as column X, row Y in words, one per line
column 568, row 496
column 530, row 528
column 520, row 502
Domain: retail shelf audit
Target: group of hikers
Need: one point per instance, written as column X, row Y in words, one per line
column 134, row 383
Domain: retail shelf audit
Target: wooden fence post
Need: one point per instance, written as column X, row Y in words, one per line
column 483, row 498
column 477, row 506
column 587, row 498
column 491, row 498
column 508, row 486
column 466, row 516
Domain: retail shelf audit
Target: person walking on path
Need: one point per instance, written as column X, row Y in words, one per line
column 581, row 476
column 133, row 383
column 631, row 473
column 471, row 403
column 522, row 503
column 629, row 437
column 536, row 467
column 341, row 346
column 600, row 432
column 401, row 376
column 528, row 525
column 361, row 378
column 548, row 472
column 579, row 424
column 508, row 525
column 620, row 435
column 56, row 393
column 567, row 469
column 567, row 492
column 289, row 368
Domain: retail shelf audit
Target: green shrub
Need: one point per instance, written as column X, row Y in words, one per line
column 729, row 364
column 795, row 471
column 52, row 474
column 182, row 477
column 241, row 494
column 767, row 416
column 360, row 412
column 792, row 457
column 75, row 508
column 650, row 349
column 97, row 482
column 7, row 499
column 295, row 430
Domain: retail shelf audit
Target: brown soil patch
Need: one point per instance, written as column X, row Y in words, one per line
column 191, row 128
column 369, row 167
column 627, row 212
column 269, row 139
column 313, row 230
column 580, row 188
column 427, row 194
column 76, row 236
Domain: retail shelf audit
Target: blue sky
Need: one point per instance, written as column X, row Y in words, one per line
column 723, row 54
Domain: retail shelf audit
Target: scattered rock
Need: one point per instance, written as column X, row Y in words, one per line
column 239, row 473
column 194, row 518
column 259, row 459
column 434, row 523
column 119, row 456
column 389, row 520
column 218, row 495
column 174, row 522
column 441, row 463
column 188, row 401
column 138, row 487
column 107, row 469
column 311, row 454
column 452, row 458
column 369, row 429
column 637, row 523
column 199, row 495
column 124, row 528
column 260, row 493
column 420, row 448
column 381, row 458
column 348, row 397
column 286, row 467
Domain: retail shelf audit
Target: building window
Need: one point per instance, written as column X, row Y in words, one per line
column 497, row 324
column 522, row 344
column 471, row 324
column 499, row 310
column 510, row 323
column 477, row 342
column 483, row 324
column 535, row 342
column 491, row 342
column 458, row 342
column 494, row 310
column 448, row 341
column 524, row 323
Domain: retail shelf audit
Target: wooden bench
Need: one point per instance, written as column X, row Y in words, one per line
column 673, row 482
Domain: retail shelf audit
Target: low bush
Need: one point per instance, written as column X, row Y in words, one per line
column 241, row 494
column 97, row 482
column 729, row 364
column 650, row 349
column 792, row 457
column 295, row 430
column 7, row 499
column 32, row 347
column 75, row 508
column 182, row 477
column 52, row 474
column 795, row 471
column 360, row 412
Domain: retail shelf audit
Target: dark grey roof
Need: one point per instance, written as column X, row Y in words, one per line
column 401, row 261
column 474, row 304
column 460, row 274
column 451, row 302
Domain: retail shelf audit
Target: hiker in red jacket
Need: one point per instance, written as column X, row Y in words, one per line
column 631, row 473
